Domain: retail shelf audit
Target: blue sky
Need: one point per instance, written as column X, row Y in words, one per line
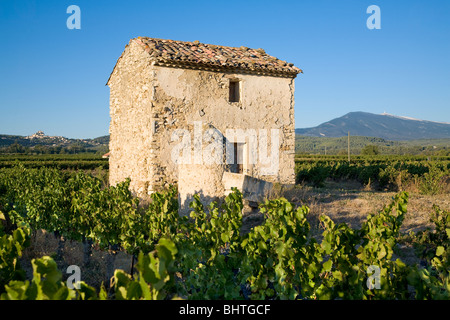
column 53, row 79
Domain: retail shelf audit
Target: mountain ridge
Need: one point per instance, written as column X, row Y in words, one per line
column 383, row 125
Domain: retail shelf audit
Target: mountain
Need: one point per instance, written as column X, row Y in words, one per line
column 384, row 126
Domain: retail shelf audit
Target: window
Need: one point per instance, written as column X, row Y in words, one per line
column 234, row 91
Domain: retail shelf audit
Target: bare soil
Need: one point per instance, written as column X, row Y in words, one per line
column 97, row 266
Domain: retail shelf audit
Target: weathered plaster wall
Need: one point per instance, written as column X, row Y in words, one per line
column 253, row 189
column 202, row 96
column 206, row 181
column 186, row 97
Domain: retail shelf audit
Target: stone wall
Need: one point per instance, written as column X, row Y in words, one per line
column 133, row 145
column 149, row 102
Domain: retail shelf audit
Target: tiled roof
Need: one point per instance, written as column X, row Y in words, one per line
column 196, row 55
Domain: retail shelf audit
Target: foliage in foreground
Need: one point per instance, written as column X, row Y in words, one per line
column 205, row 256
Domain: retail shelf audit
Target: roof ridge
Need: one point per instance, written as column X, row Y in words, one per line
column 198, row 55
column 194, row 42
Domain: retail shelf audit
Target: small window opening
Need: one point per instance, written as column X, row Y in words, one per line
column 234, row 91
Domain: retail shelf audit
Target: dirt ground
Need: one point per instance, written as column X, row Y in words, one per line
column 97, row 266
column 351, row 202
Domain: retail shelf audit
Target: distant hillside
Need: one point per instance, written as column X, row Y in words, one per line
column 384, row 126
column 41, row 143
column 103, row 140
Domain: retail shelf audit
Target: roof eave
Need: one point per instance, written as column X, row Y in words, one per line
column 226, row 69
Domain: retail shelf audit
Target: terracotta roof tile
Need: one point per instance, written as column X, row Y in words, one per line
column 213, row 57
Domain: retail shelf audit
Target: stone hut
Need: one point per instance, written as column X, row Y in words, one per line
column 205, row 117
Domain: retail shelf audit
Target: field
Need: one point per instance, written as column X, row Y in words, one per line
column 377, row 228
column 335, row 146
column 59, row 161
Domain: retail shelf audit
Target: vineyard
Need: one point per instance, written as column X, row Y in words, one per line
column 206, row 255
column 60, row 161
column 396, row 173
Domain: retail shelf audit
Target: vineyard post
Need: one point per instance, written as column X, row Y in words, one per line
column 348, row 146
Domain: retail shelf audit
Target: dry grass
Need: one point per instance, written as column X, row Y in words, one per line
column 351, row 202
